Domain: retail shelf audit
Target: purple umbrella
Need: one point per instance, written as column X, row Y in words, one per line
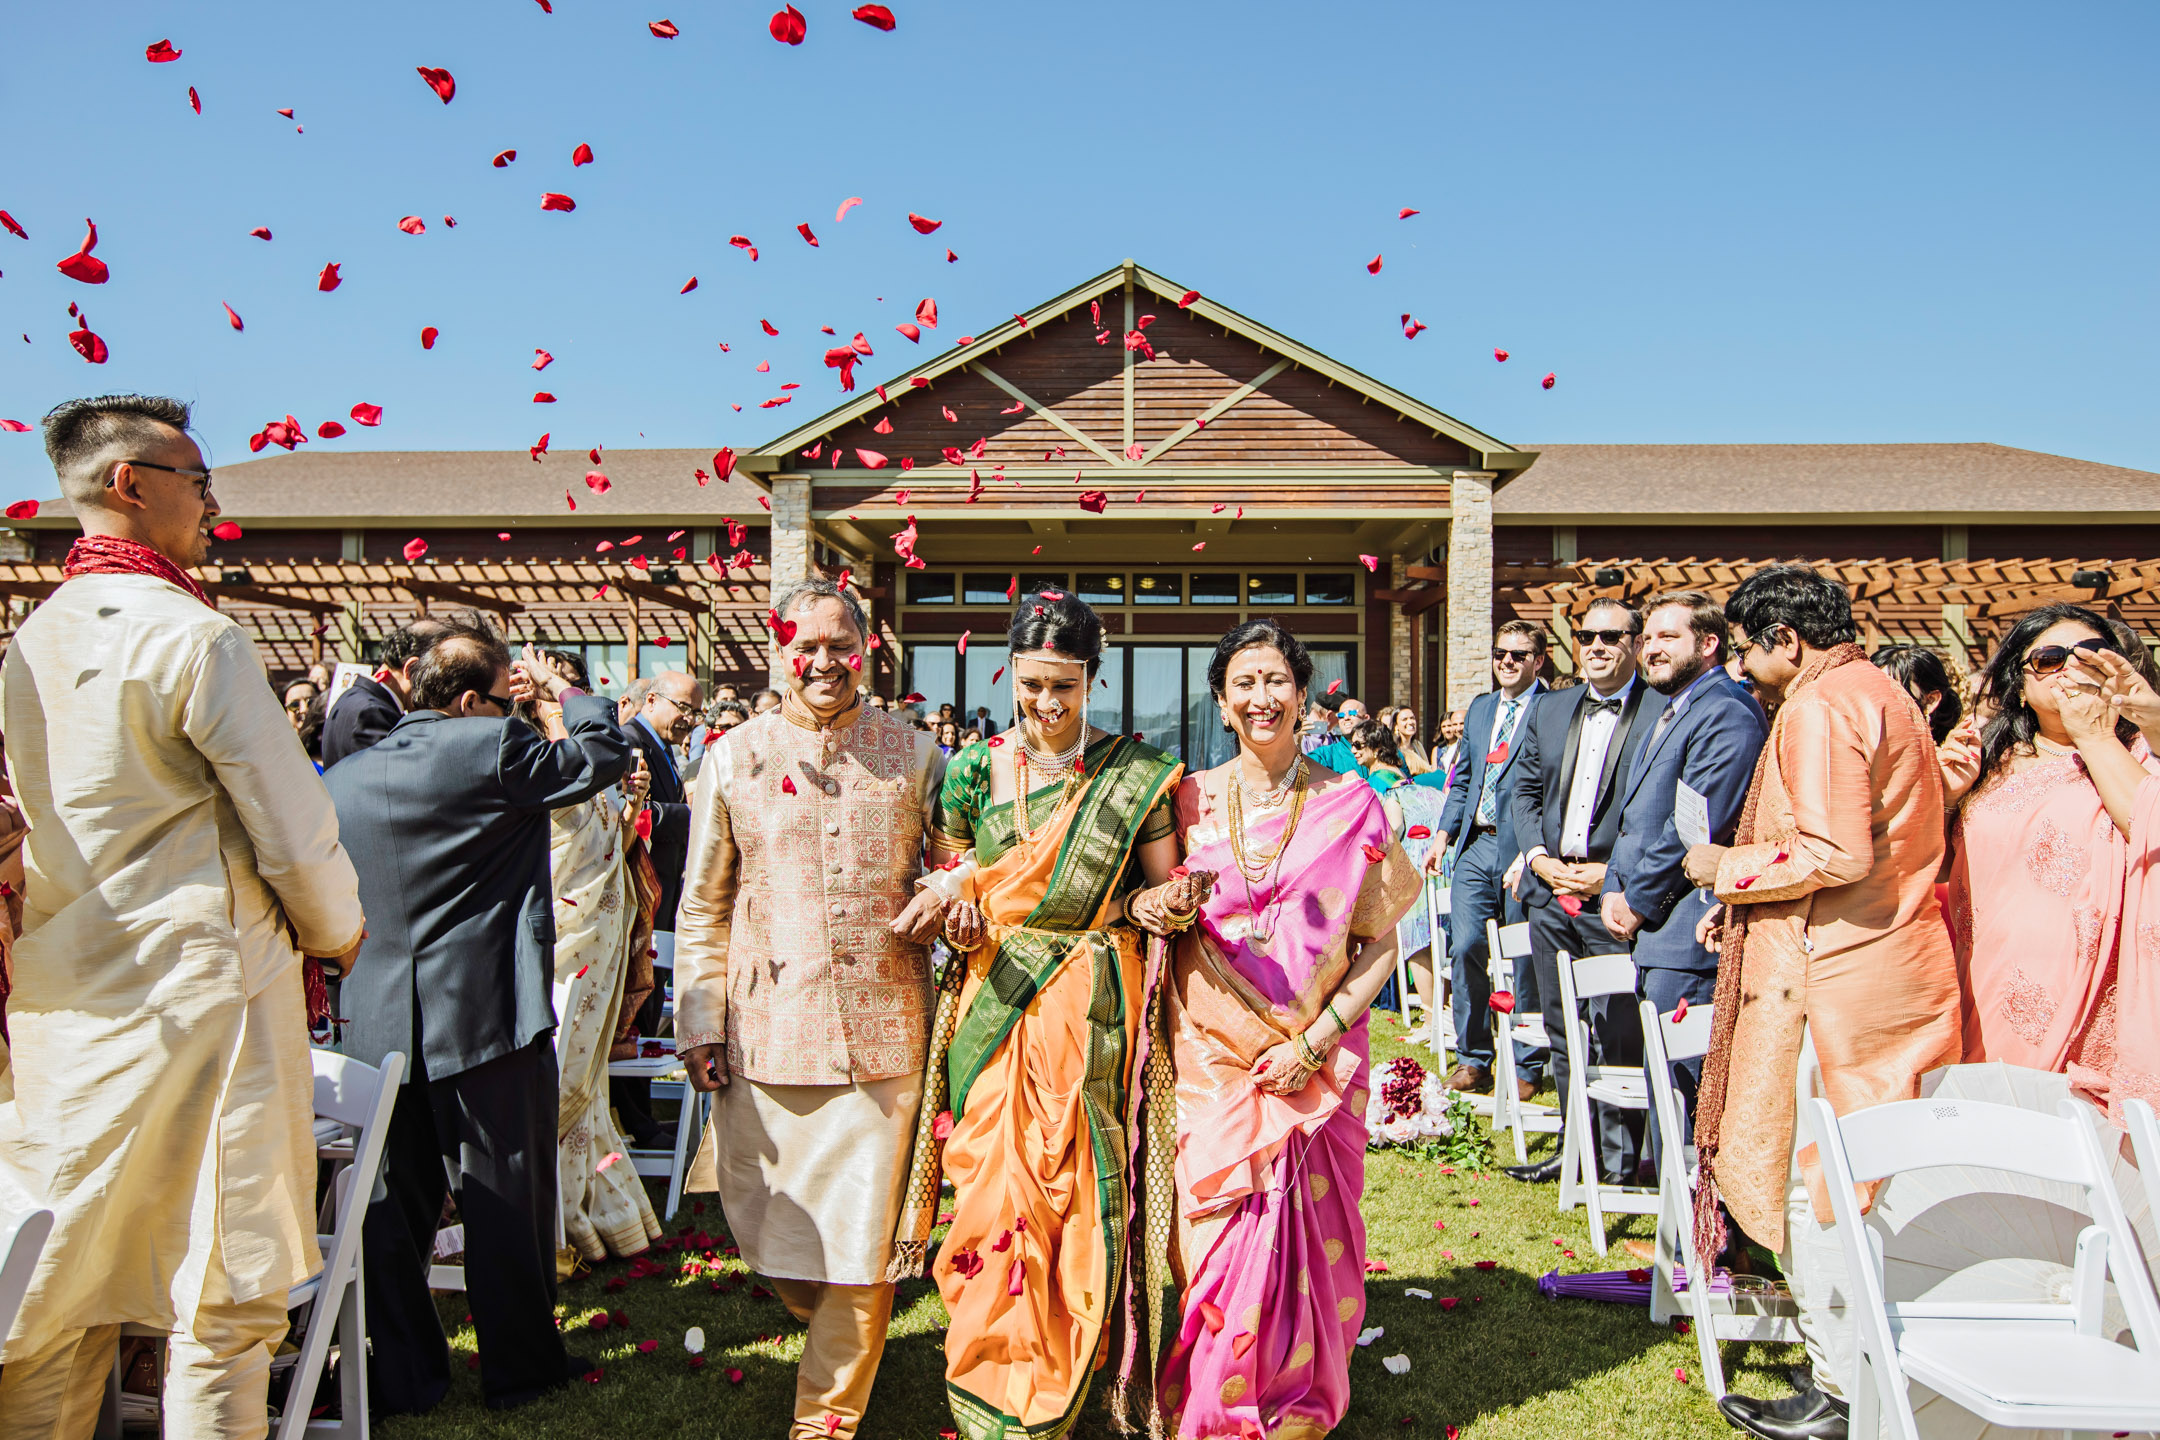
column 1624, row 1287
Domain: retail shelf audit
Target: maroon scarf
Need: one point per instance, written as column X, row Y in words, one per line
column 111, row 555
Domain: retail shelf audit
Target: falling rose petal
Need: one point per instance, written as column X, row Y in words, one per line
column 1094, row 501
column 1411, row 328
column 286, row 113
column 1372, row 266
column 538, row 448
column 14, row 227
column 646, row 1347
column 803, row 229
column 742, row 242
column 1370, row 562
column 542, row 397
column 503, row 159
column 551, row 200
column 367, row 414
column 788, row 26
column 1680, row 1010
column 440, row 81
column 597, row 482
column 1187, row 299
column 1405, row 213
column 923, row 224
column 846, row 205
column 663, row 29
column 1500, row 355
column 413, row 225
column 1549, row 380
column 23, row 509
column 194, row 100
column 688, row 286
column 787, row 782
column 871, row 459
column 875, row 16
column 329, row 430
column 1373, row 854
column 428, row 333
column 541, row 359
column 161, row 53
column 415, row 548
column 329, row 279
column 84, row 266
column 88, row 345
column 723, row 464
column 963, row 640
column 768, row 326
column 950, row 257
column 232, row 318
column 14, row 427
column 1333, row 686
column 910, row 330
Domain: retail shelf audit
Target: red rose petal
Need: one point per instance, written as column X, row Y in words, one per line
column 688, row 286
column 1094, row 501
column 440, row 81
column 14, row 427
column 1241, row 1342
column 1547, row 382
column 1418, row 832
column 329, row 430
column 788, row 26
column 541, row 359
column 1410, row 327
column 663, row 29
column 161, row 53
column 84, row 266
column 1500, row 355
column 1502, row 1001
column 1211, row 1316
column 1374, row 854
column 232, row 318
column 803, row 229
column 542, row 397
column 195, row 101
column 923, row 224
column 551, row 200
column 787, row 782
column 23, row 509
column 1372, row 266
column 427, row 337
column 367, row 414
column 329, row 279
column 260, row 232
column 503, row 159
column 723, row 463
column 415, row 548
column 876, row 16
column 413, row 225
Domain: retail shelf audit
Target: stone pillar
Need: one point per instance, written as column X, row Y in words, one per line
column 1469, row 588
column 790, row 552
column 1399, row 638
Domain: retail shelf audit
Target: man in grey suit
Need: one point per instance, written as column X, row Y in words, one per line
column 446, row 819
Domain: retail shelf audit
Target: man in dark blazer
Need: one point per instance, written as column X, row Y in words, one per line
column 1476, row 844
column 662, row 718
column 1707, row 738
column 373, row 706
column 1575, row 756
column 447, row 823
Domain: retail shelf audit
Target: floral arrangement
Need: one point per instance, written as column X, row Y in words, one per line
column 1410, row 1108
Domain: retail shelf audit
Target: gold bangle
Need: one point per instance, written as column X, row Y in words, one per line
column 1180, row 919
column 1342, row 1025
column 1304, row 1050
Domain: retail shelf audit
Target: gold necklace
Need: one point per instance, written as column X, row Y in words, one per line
column 1073, row 774
column 1249, row 868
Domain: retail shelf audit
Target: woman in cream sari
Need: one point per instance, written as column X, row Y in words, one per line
column 605, row 891
column 1050, row 830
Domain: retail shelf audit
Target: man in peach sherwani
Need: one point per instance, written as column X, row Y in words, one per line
column 1837, row 977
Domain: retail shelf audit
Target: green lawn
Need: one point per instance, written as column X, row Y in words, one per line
column 1501, row 1364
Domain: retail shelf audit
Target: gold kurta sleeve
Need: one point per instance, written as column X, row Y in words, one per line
column 707, row 911
column 1828, row 768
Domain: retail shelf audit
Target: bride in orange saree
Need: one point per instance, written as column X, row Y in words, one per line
column 1056, row 844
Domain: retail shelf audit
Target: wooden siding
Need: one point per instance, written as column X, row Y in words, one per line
column 2095, row 540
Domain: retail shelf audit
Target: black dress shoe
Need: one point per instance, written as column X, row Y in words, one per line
column 1544, row 1172
column 1809, row 1415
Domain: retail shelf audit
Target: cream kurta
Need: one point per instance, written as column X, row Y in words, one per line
column 783, row 947
column 159, row 1096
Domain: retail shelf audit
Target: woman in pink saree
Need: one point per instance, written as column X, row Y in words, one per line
column 2054, row 900
column 1267, row 1018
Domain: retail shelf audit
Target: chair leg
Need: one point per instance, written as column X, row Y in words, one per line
column 685, row 1126
column 352, row 1359
column 307, row 1371
column 1570, row 1187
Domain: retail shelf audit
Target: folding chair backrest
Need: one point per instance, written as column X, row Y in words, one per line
column 1687, row 1038
column 24, row 1228
column 353, row 1092
column 1515, row 940
column 1657, row 1068
column 1602, row 975
column 2145, row 1144
column 1916, row 1134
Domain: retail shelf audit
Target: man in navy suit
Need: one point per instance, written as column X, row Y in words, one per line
column 1575, row 756
column 1707, row 738
column 1477, row 838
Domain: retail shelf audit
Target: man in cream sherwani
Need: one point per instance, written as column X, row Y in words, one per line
column 183, row 856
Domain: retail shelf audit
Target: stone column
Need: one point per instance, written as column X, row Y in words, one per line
column 1469, row 588
column 1399, row 691
column 790, row 552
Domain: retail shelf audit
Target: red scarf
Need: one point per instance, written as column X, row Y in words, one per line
column 110, row 555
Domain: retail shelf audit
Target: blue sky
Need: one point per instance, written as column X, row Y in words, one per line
column 1713, row 222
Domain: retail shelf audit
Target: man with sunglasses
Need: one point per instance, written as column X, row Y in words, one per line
column 1576, row 749
column 181, row 859
column 1476, row 845
column 447, row 820
column 1835, row 973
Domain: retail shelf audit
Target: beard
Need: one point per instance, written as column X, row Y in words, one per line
column 1684, row 674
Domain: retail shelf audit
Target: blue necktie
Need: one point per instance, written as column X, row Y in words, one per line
column 1488, row 805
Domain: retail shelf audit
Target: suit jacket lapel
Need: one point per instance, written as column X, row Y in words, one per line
column 1568, row 753
column 1622, row 733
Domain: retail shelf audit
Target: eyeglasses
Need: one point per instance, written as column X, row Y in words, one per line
column 2049, row 659
column 500, row 702
column 1758, row 641
column 202, row 477
column 1502, row 655
column 1603, row 637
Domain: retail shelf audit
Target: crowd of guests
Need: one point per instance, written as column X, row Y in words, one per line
column 1142, row 1067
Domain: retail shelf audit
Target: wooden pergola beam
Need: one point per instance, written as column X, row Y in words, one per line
column 459, row 595
column 257, row 595
column 661, row 595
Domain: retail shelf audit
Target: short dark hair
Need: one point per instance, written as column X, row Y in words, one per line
column 1377, row 738
column 1274, row 634
column 84, row 437
column 1064, row 626
column 1804, row 600
column 408, row 641
column 1614, row 602
column 462, row 657
column 573, row 662
column 1705, row 617
column 1332, row 702
column 1918, row 668
column 1535, row 634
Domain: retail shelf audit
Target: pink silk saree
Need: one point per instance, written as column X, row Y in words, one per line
column 1271, row 1243
column 2055, row 918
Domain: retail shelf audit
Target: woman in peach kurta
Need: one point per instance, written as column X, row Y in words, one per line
column 2048, row 880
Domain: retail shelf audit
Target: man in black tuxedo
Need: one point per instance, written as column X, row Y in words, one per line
column 372, row 707
column 446, row 820
column 1576, row 752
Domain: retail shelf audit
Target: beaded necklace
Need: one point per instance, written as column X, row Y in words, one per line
column 1073, row 773
column 1264, row 871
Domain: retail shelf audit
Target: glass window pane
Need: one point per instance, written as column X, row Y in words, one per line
column 1158, row 589
column 1106, row 701
column 608, row 666
column 1328, row 667
column 929, row 589
column 1329, row 589
column 1208, row 743
column 1102, row 589
column 983, row 661
column 986, row 589
column 1215, row 589
column 1035, row 582
column 1271, row 589
column 1158, row 696
column 933, row 671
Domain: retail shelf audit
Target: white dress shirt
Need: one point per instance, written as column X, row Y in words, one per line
column 1598, row 732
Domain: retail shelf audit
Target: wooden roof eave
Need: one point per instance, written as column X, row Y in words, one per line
column 1494, row 455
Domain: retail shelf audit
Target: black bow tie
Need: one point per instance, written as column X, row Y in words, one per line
column 1592, row 705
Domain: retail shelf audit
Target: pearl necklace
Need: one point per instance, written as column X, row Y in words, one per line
column 1270, row 799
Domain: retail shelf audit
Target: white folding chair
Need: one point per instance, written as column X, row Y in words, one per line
column 24, row 1228
column 1621, row 1086
column 1505, row 947
column 1439, row 900
column 2145, row 1144
column 2020, row 1366
column 1666, row 1039
column 667, row 1074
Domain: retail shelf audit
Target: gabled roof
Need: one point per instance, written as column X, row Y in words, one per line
column 778, row 454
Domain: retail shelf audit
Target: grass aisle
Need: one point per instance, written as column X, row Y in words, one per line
column 1501, row 1364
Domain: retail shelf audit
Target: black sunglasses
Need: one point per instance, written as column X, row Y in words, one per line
column 2049, row 659
column 1605, row 637
column 202, row 477
column 500, row 702
column 1519, row 657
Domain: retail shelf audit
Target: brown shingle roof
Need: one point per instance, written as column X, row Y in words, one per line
column 1592, row 484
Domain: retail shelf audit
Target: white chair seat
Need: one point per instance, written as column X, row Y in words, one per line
column 1625, row 1092
column 1530, row 1030
column 2007, row 1374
